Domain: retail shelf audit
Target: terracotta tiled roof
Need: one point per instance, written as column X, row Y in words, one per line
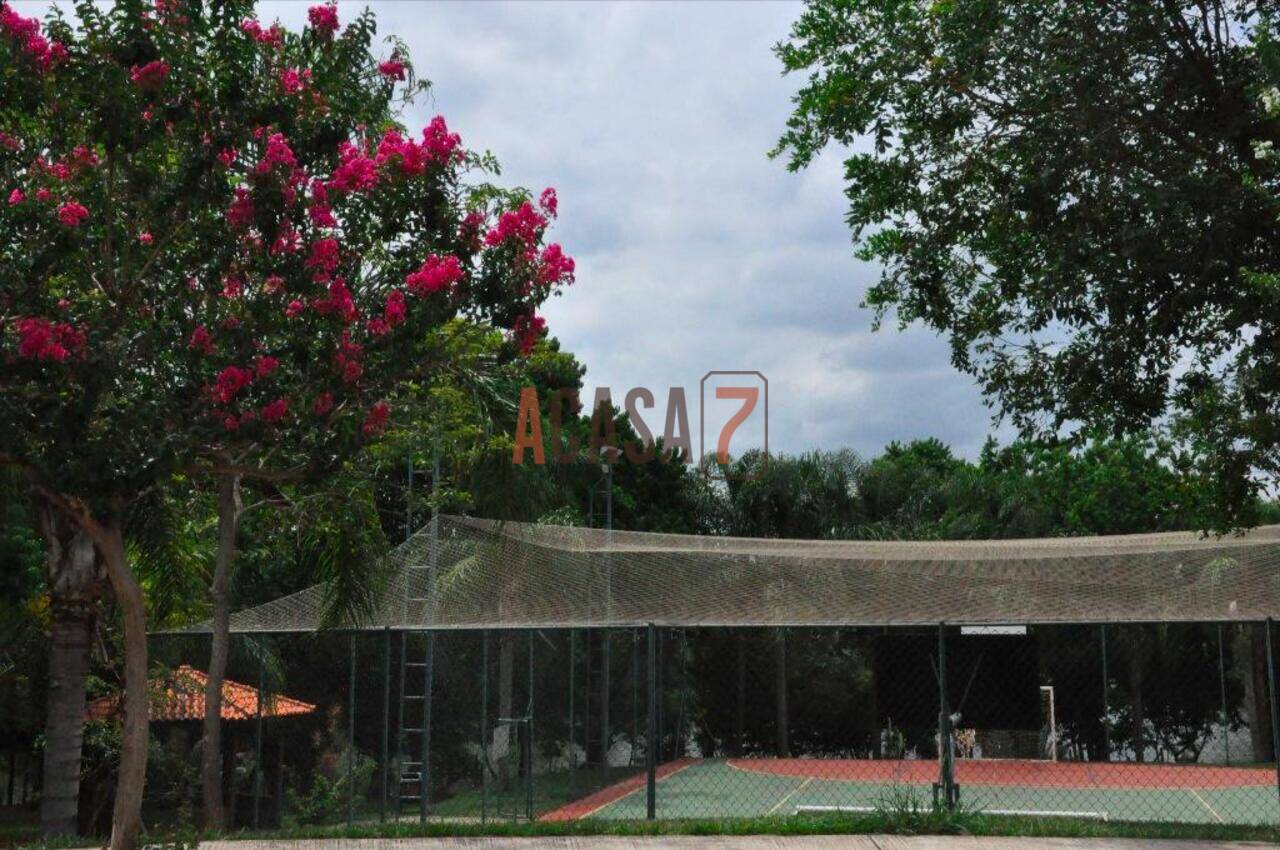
column 180, row 696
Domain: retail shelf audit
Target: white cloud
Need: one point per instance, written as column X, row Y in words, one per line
column 695, row 251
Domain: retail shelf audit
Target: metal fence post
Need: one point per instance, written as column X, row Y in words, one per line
column 424, row 776
column 484, row 726
column 257, row 746
column 1222, row 689
column 573, row 767
column 1275, row 704
column 528, row 784
column 947, row 781
column 351, row 733
column 651, row 732
column 1106, row 697
column 386, row 719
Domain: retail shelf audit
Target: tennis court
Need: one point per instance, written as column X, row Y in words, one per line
column 713, row 788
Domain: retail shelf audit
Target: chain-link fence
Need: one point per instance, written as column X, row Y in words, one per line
column 1151, row 722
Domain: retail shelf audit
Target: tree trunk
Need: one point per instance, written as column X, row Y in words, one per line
column 1250, row 652
column 75, row 585
column 229, row 507
column 126, row 821
column 780, row 690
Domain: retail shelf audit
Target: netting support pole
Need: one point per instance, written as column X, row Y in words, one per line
column 257, row 743
column 528, row 781
column 424, row 775
column 1222, row 688
column 1275, row 705
column 573, row 767
column 484, row 726
column 1106, row 697
column 605, row 720
column 635, row 695
column 401, row 749
column 651, row 731
column 351, row 733
column 945, row 752
column 386, row 719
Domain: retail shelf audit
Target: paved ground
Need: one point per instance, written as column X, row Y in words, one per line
column 752, row 842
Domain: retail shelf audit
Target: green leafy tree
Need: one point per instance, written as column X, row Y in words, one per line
column 222, row 254
column 1071, row 192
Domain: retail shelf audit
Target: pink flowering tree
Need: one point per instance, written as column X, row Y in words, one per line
column 222, row 252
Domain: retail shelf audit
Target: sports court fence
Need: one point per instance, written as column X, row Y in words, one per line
column 1170, row 722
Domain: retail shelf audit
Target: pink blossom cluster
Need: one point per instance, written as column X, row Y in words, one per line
column 277, row 153
column 230, row 382
column 151, row 76
column 83, row 158
column 320, row 212
column 555, row 267
column 434, row 275
column 469, row 229
column 408, row 154
column 324, row 19
column 549, row 202
column 272, row 36
column 441, row 145
column 375, row 421
column 395, row 313
column 527, row 330
column 294, row 80
column 339, row 303
column 324, row 259
column 523, row 225
column 72, row 213
column 288, row 240
column 275, row 411
column 348, row 359
column 391, row 69
column 240, row 213
column 40, row 339
column 201, row 340
column 264, row 366
column 356, row 171
column 25, row 32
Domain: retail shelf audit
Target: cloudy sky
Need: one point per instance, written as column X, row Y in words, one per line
column 695, row 251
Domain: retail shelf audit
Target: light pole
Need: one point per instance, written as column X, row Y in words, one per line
column 606, row 478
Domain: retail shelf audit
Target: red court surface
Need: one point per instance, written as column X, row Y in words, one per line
column 593, row 803
column 1016, row 772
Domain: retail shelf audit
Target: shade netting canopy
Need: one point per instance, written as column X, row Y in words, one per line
column 462, row 572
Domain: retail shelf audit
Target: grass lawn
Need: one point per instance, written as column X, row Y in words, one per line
column 886, row 822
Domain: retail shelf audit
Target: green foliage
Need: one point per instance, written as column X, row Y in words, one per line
column 321, row 797
column 1072, row 193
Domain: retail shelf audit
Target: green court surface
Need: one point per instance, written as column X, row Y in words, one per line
column 718, row 789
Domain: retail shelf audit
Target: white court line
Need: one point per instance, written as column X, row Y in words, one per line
column 794, row 791
column 1031, row 813
column 1205, row 802
column 643, row 787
